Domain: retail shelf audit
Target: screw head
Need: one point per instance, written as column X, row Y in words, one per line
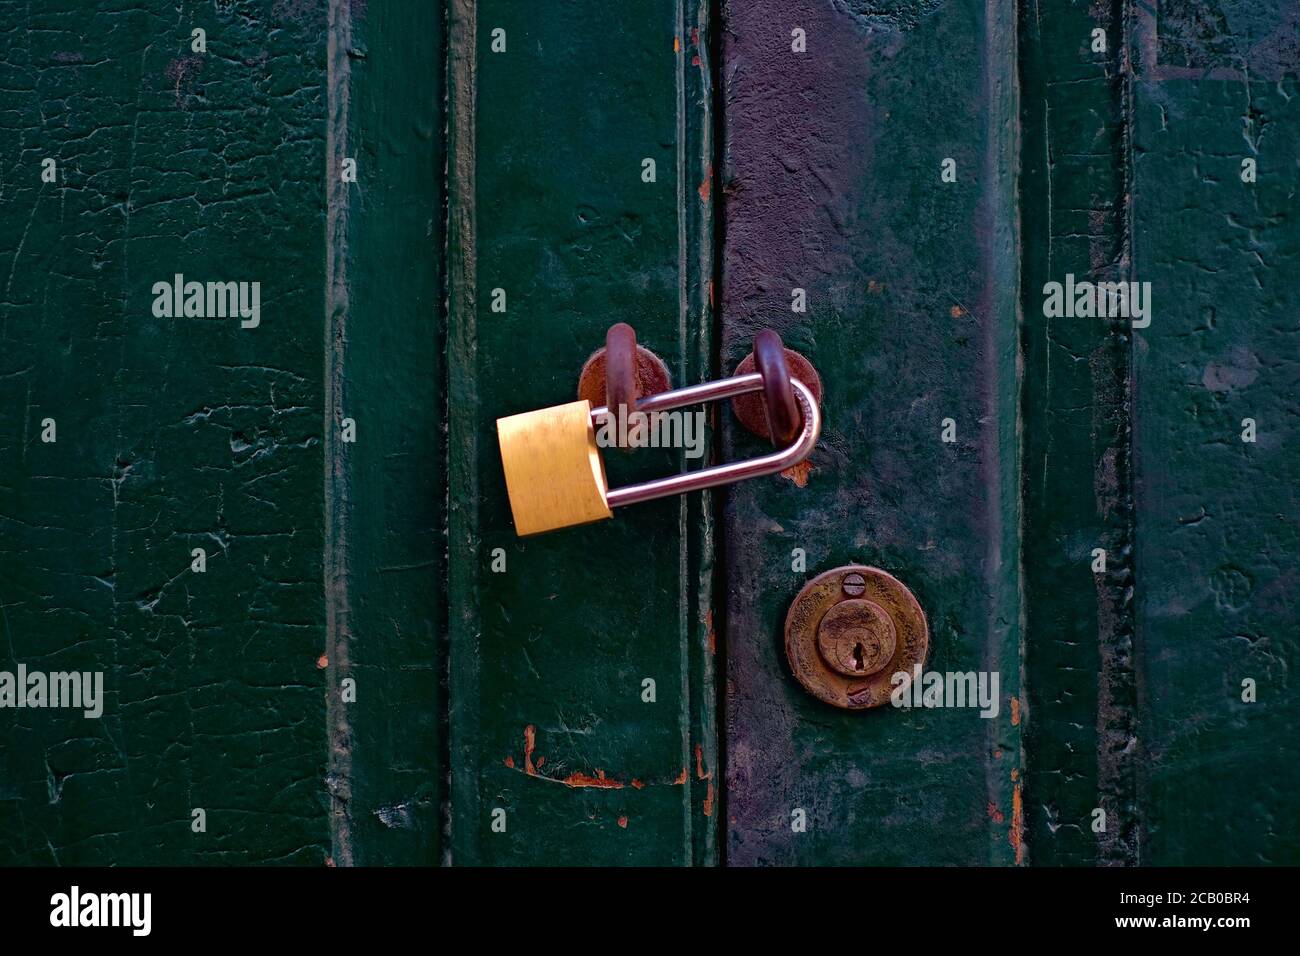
column 853, row 584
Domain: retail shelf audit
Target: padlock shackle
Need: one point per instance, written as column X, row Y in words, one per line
column 729, row 472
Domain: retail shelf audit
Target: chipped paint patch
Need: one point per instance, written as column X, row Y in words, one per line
column 181, row 73
column 710, row 636
column 622, row 821
column 600, row 781
column 895, row 15
column 395, row 817
column 799, row 473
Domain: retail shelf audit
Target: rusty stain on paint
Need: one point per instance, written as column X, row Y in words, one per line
column 994, row 813
column 799, row 473
column 1016, row 836
column 701, row 774
column 707, row 185
column 530, row 743
column 622, row 821
column 956, row 312
column 1015, row 711
column 677, row 45
column 710, row 635
column 322, row 662
column 600, row 781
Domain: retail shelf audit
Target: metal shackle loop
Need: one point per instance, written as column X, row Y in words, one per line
column 778, row 395
column 620, row 367
column 729, row 472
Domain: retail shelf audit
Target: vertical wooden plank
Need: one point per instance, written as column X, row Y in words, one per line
column 833, row 161
column 385, row 491
column 1217, row 516
column 697, row 200
column 548, row 134
column 173, row 433
column 1076, row 413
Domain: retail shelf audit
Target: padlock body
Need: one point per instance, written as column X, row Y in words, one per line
column 554, row 472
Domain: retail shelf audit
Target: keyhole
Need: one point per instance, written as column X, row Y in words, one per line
column 857, row 656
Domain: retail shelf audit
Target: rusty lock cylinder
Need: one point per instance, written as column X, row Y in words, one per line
column 849, row 631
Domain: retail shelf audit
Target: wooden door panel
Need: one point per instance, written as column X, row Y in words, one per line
column 1076, row 425
column 371, row 668
column 1216, row 516
column 170, row 433
column 832, row 178
column 1132, row 171
column 552, row 204
column 385, row 492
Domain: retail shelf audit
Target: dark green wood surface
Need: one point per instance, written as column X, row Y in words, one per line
column 1076, row 415
column 1218, row 519
column 385, row 498
column 516, row 694
column 172, row 434
column 1132, row 163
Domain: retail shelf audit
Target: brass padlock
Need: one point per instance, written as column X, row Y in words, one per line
column 554, row 471
column 556, row 478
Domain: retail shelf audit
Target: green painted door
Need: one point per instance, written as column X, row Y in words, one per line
column 281, row 537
